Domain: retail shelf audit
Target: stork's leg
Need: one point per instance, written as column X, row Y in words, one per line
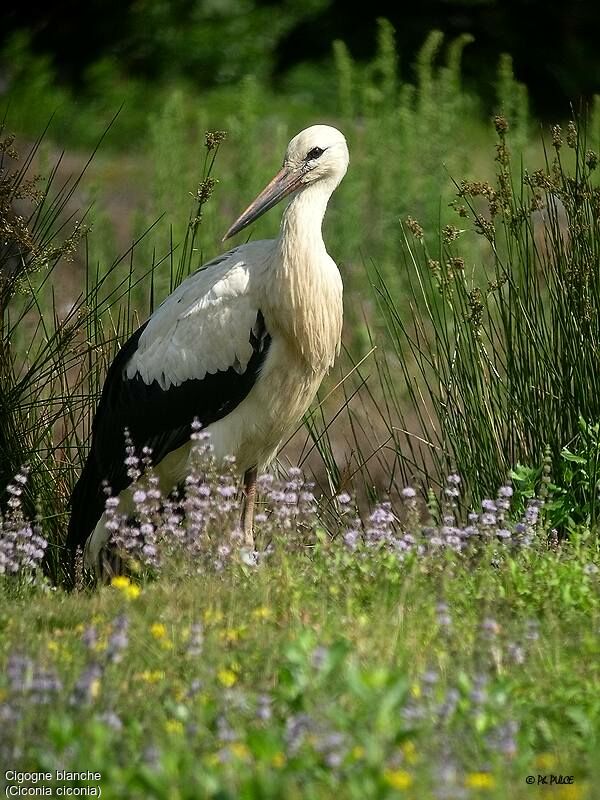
column 248, row 509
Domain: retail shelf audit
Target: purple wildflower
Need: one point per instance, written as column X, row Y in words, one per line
column 90, row 637
column 296, row 729
column 87, row 686
column 351, row 538
column 319, row 657
column 515, row 653
column 118, row 640
column 111, row 720
column 263, row 709
column 444, row 619
column 196, row 641
column 22, row 546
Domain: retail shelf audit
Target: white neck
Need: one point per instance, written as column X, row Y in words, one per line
column 308, row 292
column 303, row 218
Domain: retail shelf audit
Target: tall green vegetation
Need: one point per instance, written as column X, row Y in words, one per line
column 500, row 354
column 35, row 344
column 56, row 341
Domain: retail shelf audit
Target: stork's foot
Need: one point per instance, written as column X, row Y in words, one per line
column 247, row 521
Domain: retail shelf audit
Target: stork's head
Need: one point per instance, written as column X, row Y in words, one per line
column 318, row 154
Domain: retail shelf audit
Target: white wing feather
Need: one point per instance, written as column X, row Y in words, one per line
column 204, row 325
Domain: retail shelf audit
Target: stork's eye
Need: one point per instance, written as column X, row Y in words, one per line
column 316, row 152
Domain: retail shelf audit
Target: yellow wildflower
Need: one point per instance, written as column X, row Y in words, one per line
column 174, row 726
column 398, row 778
column 227, row 677
column 480, row 780
column 415, row 690
column 94, row 688
column 410, row 752
column 211, row 615
column 240, row 750
column 545, row 761
column 53, row 646
column 572, row 791
column 358, row 752
column 158, row 630
column 231, row 634
column 152, row 676
column 278, row 760
column 262, row 612
column 129, row 589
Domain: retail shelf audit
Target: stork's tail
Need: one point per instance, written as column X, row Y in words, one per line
column 87, row 506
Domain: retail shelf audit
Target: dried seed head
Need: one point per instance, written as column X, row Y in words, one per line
column 539, row 180
column 485, row 227
column 414, row 227
column 557, row 139
column 493, row 202
column 474, row 189
column 591, row 159
column 571, row 135
column 6, row 146
column 502, row 153
column 204, row 191
column 213, row 139
column 501, row 125
column 476, row 309
column 450, row 233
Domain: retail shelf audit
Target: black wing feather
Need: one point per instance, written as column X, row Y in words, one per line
column 157, row 418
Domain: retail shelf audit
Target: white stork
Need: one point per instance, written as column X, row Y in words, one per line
column 242, row 345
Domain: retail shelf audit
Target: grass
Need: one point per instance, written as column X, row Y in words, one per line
column 380, row 658
column 319, row 672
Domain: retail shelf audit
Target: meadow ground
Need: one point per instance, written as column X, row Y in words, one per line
column 377, row 660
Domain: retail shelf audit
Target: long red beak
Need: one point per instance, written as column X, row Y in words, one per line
column 284, row 183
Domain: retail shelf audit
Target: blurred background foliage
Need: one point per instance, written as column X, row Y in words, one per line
column 216, row 42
